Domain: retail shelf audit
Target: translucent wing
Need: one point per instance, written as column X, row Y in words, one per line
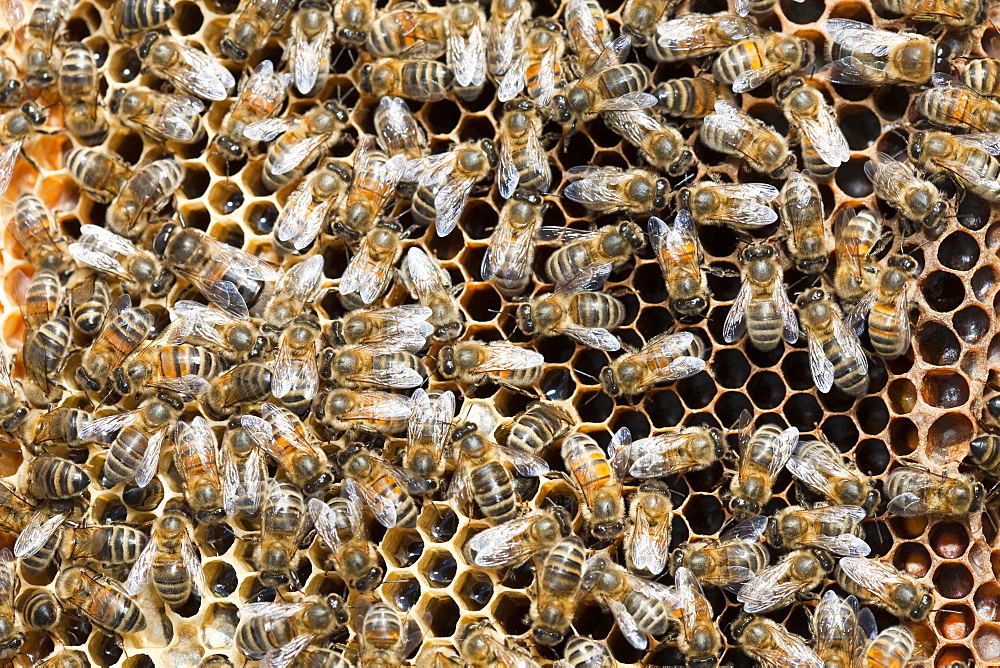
column 467, row 57
column 747, row 80
column 438, row 413
column 199, row 448
column 988, row 141
column 502, row 356
column 741, row 7
column 748, row 531
column 286, row 369
column 594, row 337
column 8, row 157
column 325, row 521
column 908, row 504
column 36, row 533
column 735, row 325
column 525, row 463
column 309, row 54
column 103, row 428
column 176, row 117
column 826, row 137
column 767, row 590
column 649, row 543
column 545, row 84
column 204, row 75
column 578, row 13
column 189, row 553
column 141, row 569
column 505, row 543
column 626, row 624
column 596, row 186
column 815, row 467
column 629, row 101
column 850, row 345
column 302, row 220
column 382, row 508
column 743, row 206
column 284, row 656
column 423, row 275
column 99, row 260
column 564, row 235
column 783, row 449
column 268, row 128
column 591, row 277
column 790, row 324
column 431, row 170
column 13, row 12
column 503, row 42
column 874, row 576
column 380, row 406
column 449, row 202
column 821, row 367
column 293, row 156
column 508, row 175
column 150, row 461
column 845, row 545
column 509, row 251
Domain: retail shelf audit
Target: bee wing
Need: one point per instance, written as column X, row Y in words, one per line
column 821, row 367
column 966, row 173
column 204, row 75
column 36, row 533
column 815, row 469
column 908, row 504
column 735, row 326
column 988, row 141
column 509, row 251
column 538, row 161
column 689, row 591
column 844, row 545
column 13, row 12
column 826, row 137
column 629, row 101
column 267, row 129
column 850, row 345
column 325, row 521
column 192, row 562
column 747, row 80
column 398, row 376
column 634, row 125
column 501, row 356
column 790, row 324
column 594, row 337
column 525, row 463
column 395, row 124
column 857, row 315
column 439, row 413
column 742, row 7
column 620, row 451
column 8, row 157
column 150, row 461
column 626, row 624
column 502, row 42
column 300, row 222
column 748, row 212
column 748, row 531
column 99, row 260
column 241, row 481
column 766, row 589
column 102, row 428
column 649, row 544
column 285, row 370
column 274, row 610
column 564, row 235
column 293, row 156
column 381, row 406
column 504, row 543
column 458, row 489
column 595, row 185
column 871, row 574
column 783, row 449
column 790, row 651
column 467, row 57
column 449, row 202
column 861, row 36
column 578, row 13
column 591, row 277
column 199, row 444
column 309, row 54
column 508, row 175
column 546, row 79
column 430, row 170
column 141, row 569
column 285, row 656
column 175, row 121
column 382, row 508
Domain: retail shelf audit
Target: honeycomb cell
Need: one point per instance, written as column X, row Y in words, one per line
column 937, row 344
column 105, row 649
column 872, row 456
column 511, row 611
column 443, row 614
column 891, row 102
column 766, row 389
column 401, row 589
column 987, row 642
column 221, row 578
column 944, row 389
column 474, row 589
column 795, row 370
column 802, row 12
column 860, row 125
column 987, row 601
column 840, row 430
column 697, row 391
column 730, row 405
column 949, row 540
column 902, row 395
column 971, row 324
column 220, row 625
column 954, row 655
column 730, row 368
column 912, row 558
column 704, row 514
column 959, row 251
column 973, row 213
column 943, row 290
column 953, row 580
column 664, row 408
column 873, row 416
column 947, row 435
column 878, row 537
column 802, row 411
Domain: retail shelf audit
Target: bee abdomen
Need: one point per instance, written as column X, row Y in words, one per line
column 493, row 491
column 764, row 324
column 846, row 374
column 172, row 581
column 597, row 309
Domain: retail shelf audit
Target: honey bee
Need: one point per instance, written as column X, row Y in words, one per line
column 821, row 468
column 101, row 176
column 672, row 452
column 661, row 144
column 295, row 371
column 39, row 297
column 583, row 652
column 835, row 629
column 195, row 459
column 245, row 383
column 428, row 433
column 805, row 222
column 971, row 160
column 762, row 455
column 411, row 25
column 916, row 492
column 640, row 18
column 835, row 354
column 483, row 473
column 578, row 249
column 665, row 358
column 309, row 44
column 538, row 67
column 89, row 299
column 522, row 160
column 386, row 489
column 505, row 33
column 741, row 206
column 696, row 35
column 230, row 278
column 770, row 643
column 150, row 188
column 411, row 78
column 79, row 91
column 100, row 599
column 982, row 75
column 46, row 21
column 11, row 640
column 243, row 472
column 348, row 410
column 39, row 608
column 342, row 528
column 858, row 242
column 891, row 648
column 886, row 307
column 397, row 131
column 61, row 426
column 732, row 131
column 756, row 61
column 735, row 557
column 496, row 362
column 135, row 452
column 125, row 328
column 609, row 84
column 170, row 560
column 536, row 427
column 11, row 88
column 700, row 640
column 430, row 284
column 954, row 105
column 511, row 250
column 67, row 658
column 678, row 251
column 407, row 322
column 16, row 126
column 384, row 638
column 690, row 97
column 369, row 272
column 835, row 529
column 861, row 55
column 446, row 180
column 185, row 66
column 250, row 26
column 986, row 453
column 519, row 539
column 167, row 364
column 159, row 116
column 139, row 271
column 466, row 47
column 762, row 307
column 482, row 646
column 611, row 189
column 35, row 231
column 44, row 356
column 260, row 96
column 49, row 477
column 283, row 437
column 878, row 583
column 297, row 288
column 820, row 135
column 267, row 626
column 353, row 19
column 639, row 606
column 112, row 545
column 647, row 538
column 283, row 525
column 311, row 205
column 130, row 17
column 382, row 363
column 576, row 311
column 598, row 482
column 962, row 13
column 794, row 576
column 374, row 181
column 558, row 587
column 300, row 141
column 234, row 339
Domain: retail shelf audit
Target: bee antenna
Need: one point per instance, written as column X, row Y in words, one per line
column 587, row 375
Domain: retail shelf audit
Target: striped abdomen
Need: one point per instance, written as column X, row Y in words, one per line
column 493, row 491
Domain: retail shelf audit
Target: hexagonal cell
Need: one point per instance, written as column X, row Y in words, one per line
column 510, row 609
column 952, row 656
column 442, row 614
column 438, row 567
column 948, row 435
column 401, row 589
column 402, row 547
column 219, row 626
column 987, row 642
column 983, row 281
column 104, row 649
column 971, row 324
column 944, row 389
column 903, row 436
column 902, row 395
column 953, row 580
column 955, row 621
column 987, row 601
column 912, row 558
column 949, row 540
column 943, row 290
column 938, row 345
column 474, row 589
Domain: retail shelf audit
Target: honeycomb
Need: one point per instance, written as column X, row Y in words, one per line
column 922, row 407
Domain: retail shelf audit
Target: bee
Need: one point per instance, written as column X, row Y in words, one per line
column 195, row 459
column 109, row 253
column 167, row 364
column 67, row 658
column 170, row 560
column 428, row 433
column 410, row 78
column 835, row 529
column 49, row 477
column 39, row 297
column 283, row 437
column 11, row 92
column 678, row 251
column 125, row 328
column 135, row 452
column 578, row 249
column 89, row 299
column 11, row 640
column 408, row 322
column 397, row 131
column 482, row 646
column 245, row 383
column 260, row 96
column 878, row 583
column 612, row 189
column 101, row 176
column 770, row 643
column 916, row 492
column 283, row 525
column 159, row 116
column 821, row 468
column 309, row 44
column 466, row 48
column 369, row 272
column 47, row 19
column 15, row 128
column 483, row 473
column 665, row 358
column 861, row 55
column 661, row 144
column 150, row 188
column 538, row 66
column 588, row 30
column 519, row 539
column 79, row 90
column 234, row 339
column 39, row 608
column 640, row 18
column 982, row 75
column 342, row 528
column 732, row 131
column 301, row 142
column 267, row 626
column 310, row 207
column 986, row 453
column 384, row 638
column 647, row 538
column 756, row 61
column 803, row 218
column 353, row 18
column 762, row 455
column 347, row 410
column 382, row 363
column 762, row 307
column 522, row 160
column 35, row 231
column 130, row 17
column 535, row 428
column 446, row 180
column 835, row 629
column 414, row 26
column 891, row 648
column 887, row 306
column 696, row 35
column 954, row 105
column 700, row 639
column 44, row 356
column 962, row 13
column 598, row 482
column 558, row 587
column 99, row 599
column 496, row 362
column 835, row 354
column 385, row 489
column 295, row 371
column 607, row 85
column 510, row 253
column 574, row 310
column 775, row 587
column 971, row 160
column 243, row 471
column 230, row 278
column 741, row 206
column 374, row 181
column 735, row 557
column 639, row 606
column 672, row 452
column 250, row 26
column 298, row 288
column 858, row 242
column 583, row 652
column 185, row 66
column 824, row 146
column 690, row 97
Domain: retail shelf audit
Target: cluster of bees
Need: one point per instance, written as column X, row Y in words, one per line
column 298, row 430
